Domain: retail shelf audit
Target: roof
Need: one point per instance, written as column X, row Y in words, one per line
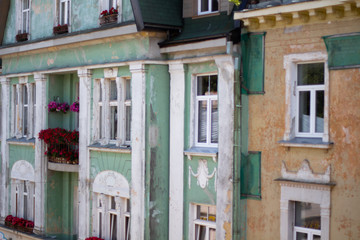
column 195, row 29
column 4, row 9
column 157, row 13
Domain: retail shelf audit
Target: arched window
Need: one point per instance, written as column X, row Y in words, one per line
column 111, row 206
column 23, row 190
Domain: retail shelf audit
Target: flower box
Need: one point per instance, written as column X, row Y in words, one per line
column 19, row 224
column 108, row 19
column 60, row 29
column 21, row 37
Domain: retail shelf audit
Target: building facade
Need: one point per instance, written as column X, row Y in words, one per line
column 304, row 119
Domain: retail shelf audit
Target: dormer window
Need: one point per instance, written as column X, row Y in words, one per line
column 207, row 6
column 64, row 12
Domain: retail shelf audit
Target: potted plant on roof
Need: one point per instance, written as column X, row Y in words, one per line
column 110, row 16
column 60, row 29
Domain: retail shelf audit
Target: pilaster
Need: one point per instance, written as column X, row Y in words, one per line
column 138, row 152
column 84, row 163
column 177, row 106
column 224, row 194
column 4, row 179
column 40, row 160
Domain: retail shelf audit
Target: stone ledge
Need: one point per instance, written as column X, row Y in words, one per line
column 60, row 167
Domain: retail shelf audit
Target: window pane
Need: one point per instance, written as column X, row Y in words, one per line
column 62, row 13
column 34, row 93
column 316, row 237
column 113, row 91
column 113, row 227
column 202, row 85
column 100, row 122
column 307, row 215
column 301, row 236
column 113, row 204
column 25, row 121
column 127, row 228
column 212, row 234
column 25, row 4
column 128, row 90
column 212, row 213
column 320, row 99
column 25, row 94
column 24, row 20
column 304, row 111
column 128, row 123
column 100, row 225
column 204, row 5
column 310, row 74
column 215, row 5
column 213, row 85
column 200, row 232
column 202, row 121
column 214, row 121
column 113, row 122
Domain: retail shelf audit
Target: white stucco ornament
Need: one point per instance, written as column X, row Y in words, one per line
column 202, row 174
column 111, row 183
column 23, row 170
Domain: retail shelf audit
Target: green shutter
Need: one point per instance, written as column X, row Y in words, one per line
column 253, row 58
column 251, row 175
column 343, row 51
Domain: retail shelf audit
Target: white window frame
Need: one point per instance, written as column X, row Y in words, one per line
column 18, row 106
column 105, row 5
column 59, row 10
column 209, row 99
column 292, row 104
column 310, row 232
column 102, row 112
column 210, row 8
column 25, row 29
column 102, row 197
column 304, row 186
column 18, row 181
column 200, row 222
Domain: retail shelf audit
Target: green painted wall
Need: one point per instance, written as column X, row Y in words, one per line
column 118, row 162
column 62, row 87
column 109, row 52
column 84, row 16
column 19, row 152
column 157, row 152
column 195, row 194
column 60, row 204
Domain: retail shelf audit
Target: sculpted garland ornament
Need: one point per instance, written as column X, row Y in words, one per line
column 202, row 174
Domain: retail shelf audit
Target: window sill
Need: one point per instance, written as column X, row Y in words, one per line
column 301, row 142
column 202, row 152
column 204, row 15
column 21, row 141
column 110, row 148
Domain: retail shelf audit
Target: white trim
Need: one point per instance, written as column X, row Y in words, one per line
column 23, row 170
column 290, row 66
column 101, row 34
column 215, row 43
column 210, row 10
column 111, row 183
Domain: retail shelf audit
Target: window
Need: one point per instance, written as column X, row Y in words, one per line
column 204, row 222
column 307, row 221
column 111, row 215
column 206, row 129
column 207, row 6
column 23, row 190
column 307, row 90
column 113, row 108
column 25, row 16
column 310, row 100
column 64, row 12
column 24, row 105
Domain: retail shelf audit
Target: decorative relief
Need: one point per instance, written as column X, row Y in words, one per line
column 110, row 72
column 111, row 183
column 202, row 174
column 23, row 170
column 305, row 174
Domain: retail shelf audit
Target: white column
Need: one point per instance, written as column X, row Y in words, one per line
column 120, row 109
column 138, row 151
column 30, row 117
column 177, row 102
column 40, row 163
column 224, row 194
column 4, row 179
column 84, row 162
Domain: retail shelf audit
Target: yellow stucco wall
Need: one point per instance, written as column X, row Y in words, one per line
column 267, row 126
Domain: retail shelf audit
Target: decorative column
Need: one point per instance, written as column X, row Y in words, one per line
column 40, row 163
column 84, row 162
column 4, row 179
column 138, row 152
column 224, row 194
column 177, row 102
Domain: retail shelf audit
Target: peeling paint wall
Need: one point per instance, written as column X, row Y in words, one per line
column 267, row 126
column 84, row 16
column 157, row 152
